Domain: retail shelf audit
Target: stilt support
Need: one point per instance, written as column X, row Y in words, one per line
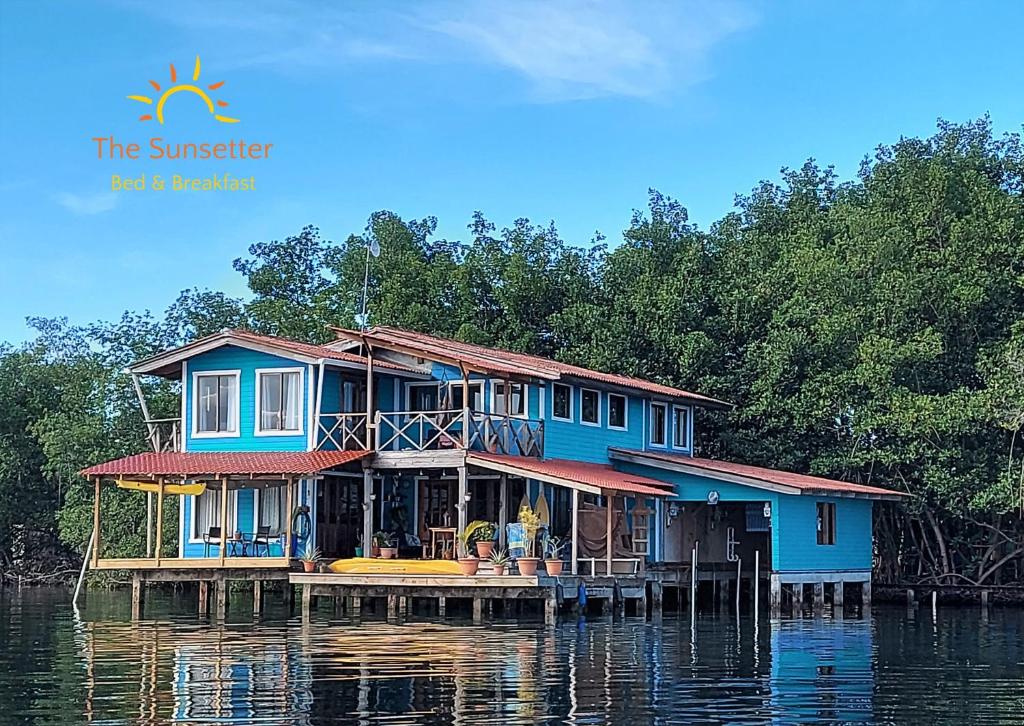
column 138, row 596
column 307, row 602
column 819, row 598
column 222, row 598
column 838, row 599
column 775, row 604
column 204, row 597
column 442, row 606
column 550, row 611
column 257, row 597
column 657, row 599
column 478, row 609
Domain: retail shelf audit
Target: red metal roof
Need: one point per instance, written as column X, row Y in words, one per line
column 805, row 483
column 601, row 476
column 223, row 463
column 507, row 362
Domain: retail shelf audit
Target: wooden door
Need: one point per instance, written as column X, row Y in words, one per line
column 339, row 515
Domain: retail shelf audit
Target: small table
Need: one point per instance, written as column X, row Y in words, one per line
column 236, row 544
column 440, row 535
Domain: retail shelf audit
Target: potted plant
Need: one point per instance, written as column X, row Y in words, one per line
column 377, row 542
column 388, row 550
column 499, row 561
column 553, row 560
column 468, row 563
column 531, row 523
column 359, row 545
column 482, row 533
column 309, row 557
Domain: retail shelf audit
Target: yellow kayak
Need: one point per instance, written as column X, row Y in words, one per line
column 148, row 486
column 368, row 566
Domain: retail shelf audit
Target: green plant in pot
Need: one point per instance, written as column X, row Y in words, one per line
column 553, row 558
column 309, row 557
column 499, row 561
column 531, row 523
column 386, row 545
column 379, row 540
column 468, row 562
column 359, row 546
column 482, row 534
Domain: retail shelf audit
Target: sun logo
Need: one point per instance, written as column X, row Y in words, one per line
column 176, row 87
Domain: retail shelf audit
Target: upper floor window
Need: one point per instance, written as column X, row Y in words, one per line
column 279, row 401
column 681, row 428
column 561, row 402
column 590, row 407
column 423, row 396
column 215, row 409
column 616, row 411
column 659, row 419
column 476, row 395
column 826, row 523
column 516, row 405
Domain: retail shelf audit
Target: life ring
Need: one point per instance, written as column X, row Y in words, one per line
column 301, row 524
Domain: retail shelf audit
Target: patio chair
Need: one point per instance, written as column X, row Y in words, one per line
column 212, row 537
column 261, row 539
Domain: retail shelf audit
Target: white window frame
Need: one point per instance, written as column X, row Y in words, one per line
column 258, row 429
column 436, row 385
column 196, row 433
column 597, row 408
column 665, row 431
column 572, row 401
column 233, row 496
column 625, row 411
column 495, row 382
column 689, row 427
column 473, row 383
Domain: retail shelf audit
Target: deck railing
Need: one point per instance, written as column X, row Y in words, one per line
column 341, row 431
column 459, row 429
column 164, row 434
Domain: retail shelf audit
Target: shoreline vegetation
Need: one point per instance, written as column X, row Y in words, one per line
column 870, row 330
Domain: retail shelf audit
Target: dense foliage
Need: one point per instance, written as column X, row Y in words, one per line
column 869, row 330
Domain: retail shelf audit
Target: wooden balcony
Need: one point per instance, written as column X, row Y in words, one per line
column 164, row 434
column 341, row 431
column 459, row 429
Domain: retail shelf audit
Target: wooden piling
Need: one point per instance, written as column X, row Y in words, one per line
column 865, row 597
column 819, row 598
column 775, row 597
column 204, row 597
column 838, row 599
column 392, row 606
column 138, row 596
column 442, row 607
column 693, row 585
column 307, row 602
column 257, row 597
column 798, row 600
column 757, row 584
column 910, row 598
column 550, row 611
column 478, row 609
column 984, row 598
column 222, row 598
column 657, row 599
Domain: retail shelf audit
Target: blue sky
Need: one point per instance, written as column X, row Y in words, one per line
column 553, row 111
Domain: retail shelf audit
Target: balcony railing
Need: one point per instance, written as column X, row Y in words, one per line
column 341, row 431
column 164, row 434
column 459, row 429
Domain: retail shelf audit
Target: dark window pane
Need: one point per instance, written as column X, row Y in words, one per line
column 616, row 410
column 562, row 403
column 658, row 416
column 589, row 406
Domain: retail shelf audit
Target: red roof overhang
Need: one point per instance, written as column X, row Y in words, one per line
column 192, row 465
column 585, row 476
column 756, row 476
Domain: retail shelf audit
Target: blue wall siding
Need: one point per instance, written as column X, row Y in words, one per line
column 581, row 442
column 246, row 521
column 794, row 535
column 247, row 361
column 794, row 521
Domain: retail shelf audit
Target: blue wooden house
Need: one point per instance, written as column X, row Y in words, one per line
column 281, row 444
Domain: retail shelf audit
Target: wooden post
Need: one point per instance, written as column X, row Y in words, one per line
column 463, row 505
column 257, row 597
column 819, row 598
column 757, row 584
column 465, row 406
column 798, row 600
column 774, row 596
column 739, row 570
column 149, row 525
column 910, row 597
column 503, row 510
column 392, row 606
column 838, row 599
column 657, row 599
column 138, row 595
column 865, row 597
column 204, row 597
column 575, row 531
column 935, row 603
column 984, row 598
column 288, row 506
column 693, row 585
column 550, row 611
column 478, row 609
column 222, row 597
column 367, row 512
column 307, row 602
column 96, row 523
column 370, row 426
column 159, row 520
column 442, row 606
column 608, row 534
column 224, row 534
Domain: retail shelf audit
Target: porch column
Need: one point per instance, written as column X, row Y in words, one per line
column 159, row 519
column 608, row 535
column 502, row 509
column 370, row 425
column 463, row 491
column 367, row 511
column 96, row 523
column 575, row 531
column 465, row 406
column 223, row 518
column 289, row 495
column 149, row 524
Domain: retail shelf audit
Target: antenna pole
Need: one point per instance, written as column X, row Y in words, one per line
column 366, row 280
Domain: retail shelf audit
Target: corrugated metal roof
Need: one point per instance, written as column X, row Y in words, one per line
column 599, row 476
column 197, row 463
column 506, row 362
column 804, row 483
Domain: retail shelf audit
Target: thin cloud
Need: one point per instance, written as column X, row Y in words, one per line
column 88, row 204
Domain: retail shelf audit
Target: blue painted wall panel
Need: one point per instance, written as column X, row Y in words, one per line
column 581, row 442
column 247, row 362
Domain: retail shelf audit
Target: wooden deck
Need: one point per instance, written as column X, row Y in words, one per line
column 191, row 564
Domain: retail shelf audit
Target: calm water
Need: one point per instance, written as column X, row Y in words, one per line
column 173, row 667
